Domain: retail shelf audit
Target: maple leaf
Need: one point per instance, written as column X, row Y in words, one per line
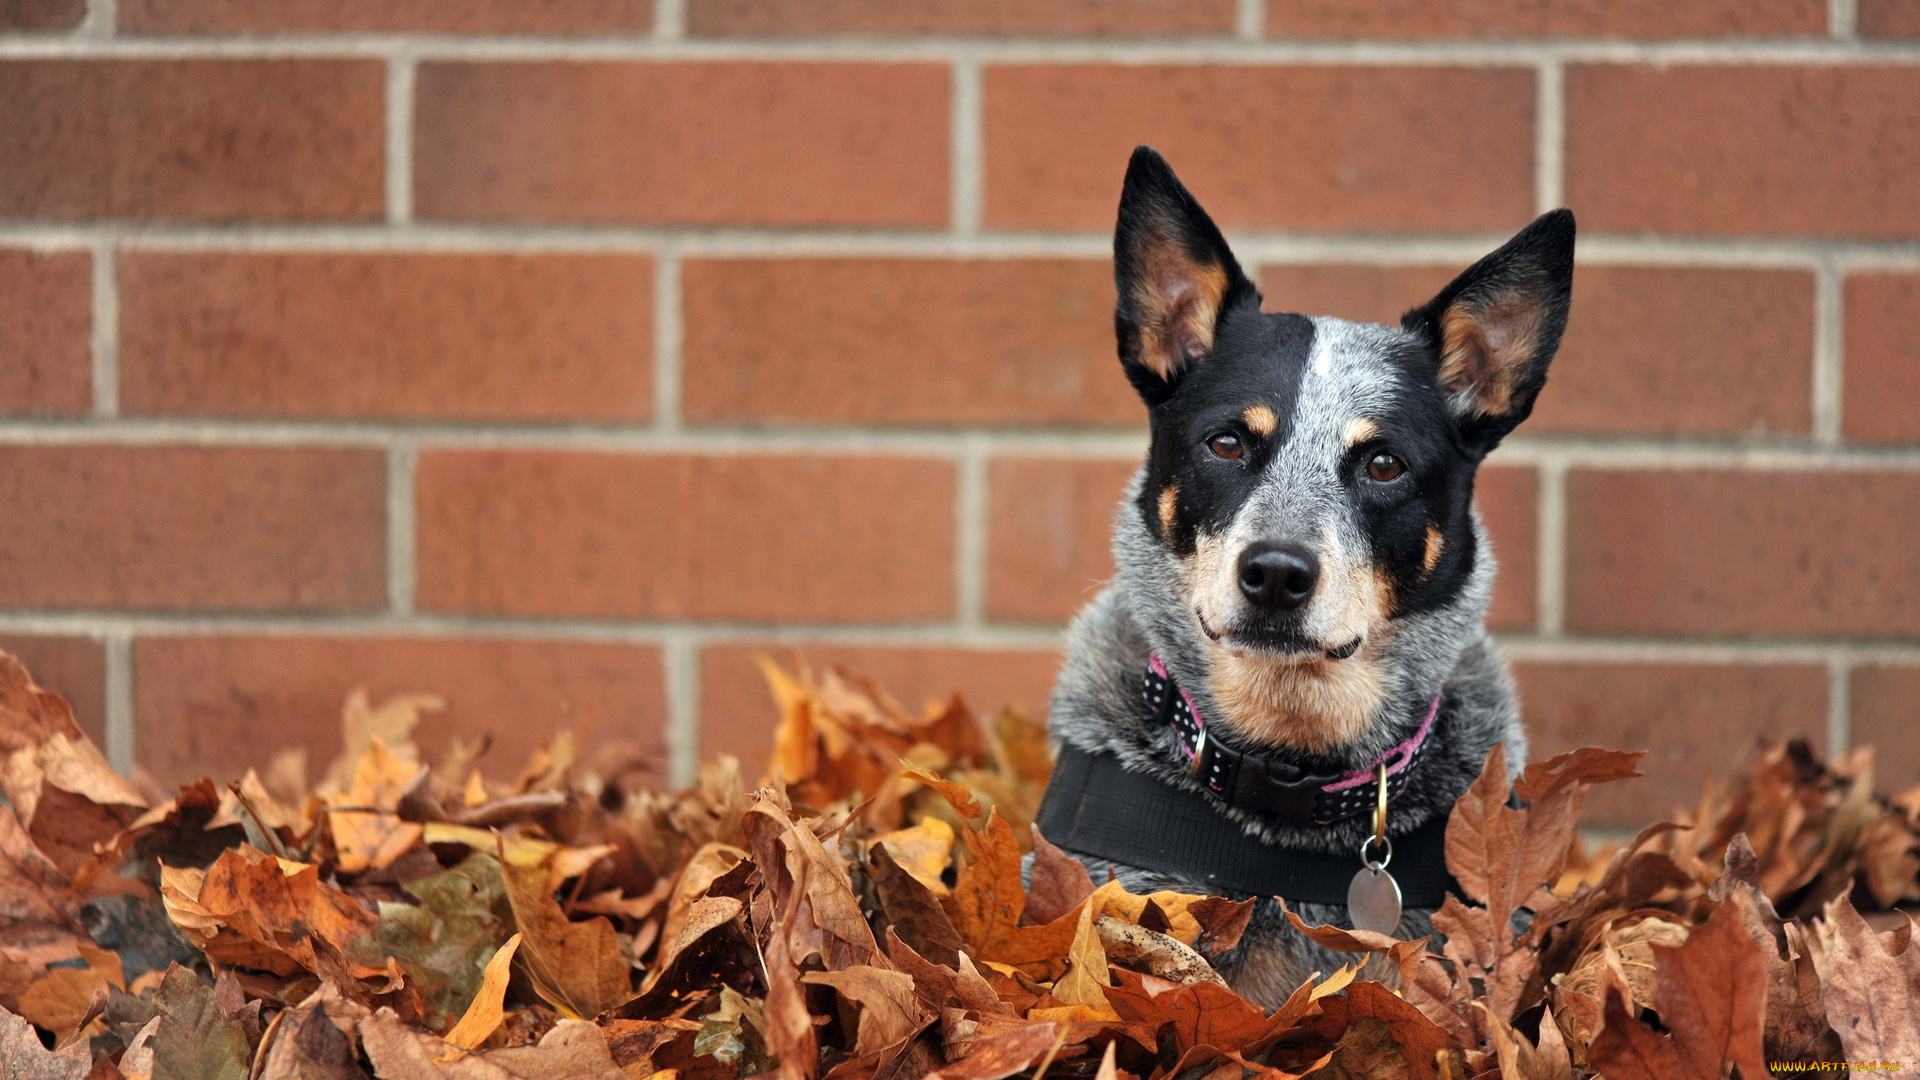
column 1872, row 994
column 258, row 910
column 193, row 1039
column 444, row 941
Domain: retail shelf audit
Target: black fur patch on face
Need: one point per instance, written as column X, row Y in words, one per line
column 1257, row 359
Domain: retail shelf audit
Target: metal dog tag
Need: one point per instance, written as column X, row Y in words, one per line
column 1373, row 900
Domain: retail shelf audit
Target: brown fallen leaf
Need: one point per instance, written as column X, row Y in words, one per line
column 312, row 1041
column 1627, row 1049
column 60, row 999
column 1155, row 953
column 923, row 851
column 258, row 910
column 1872, row 995
column 890, row 1014
column 485, row 1012
column 23, row 1057
column 576, row 967
column 1060, row 883
column 1003, row 1055
column 571, row 1050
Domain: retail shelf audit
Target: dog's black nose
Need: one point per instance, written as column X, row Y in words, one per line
column 1278, row 577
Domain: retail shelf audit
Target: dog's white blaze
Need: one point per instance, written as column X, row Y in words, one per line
column 1303, row 497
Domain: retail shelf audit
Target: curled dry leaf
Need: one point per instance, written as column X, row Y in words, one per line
column 487, row 1009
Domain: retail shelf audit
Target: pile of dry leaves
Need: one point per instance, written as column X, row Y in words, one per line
column 864, row 915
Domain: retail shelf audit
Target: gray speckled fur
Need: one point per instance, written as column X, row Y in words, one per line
column 1095, row 704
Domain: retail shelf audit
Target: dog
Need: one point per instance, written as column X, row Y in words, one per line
column 1294, row 631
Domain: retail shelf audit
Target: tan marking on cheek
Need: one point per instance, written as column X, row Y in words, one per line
column 1209, row 580
column 1360, row 429
column 1260, row 420
column 1315, row 706
column 1435, row 545
column 1169, row 505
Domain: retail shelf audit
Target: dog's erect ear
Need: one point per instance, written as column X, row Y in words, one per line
column 1174, row 274
column 1495, row 329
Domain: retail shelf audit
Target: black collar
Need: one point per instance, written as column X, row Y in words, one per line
column 1269, row 785
column 1096, row 806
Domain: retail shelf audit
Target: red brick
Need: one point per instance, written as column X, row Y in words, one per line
column 903, row 341
column 201, row 140
column 1048, row 529
column 1356, row 292
column 73, row 667
column 41, row 14
column 1888, row 18
column 1885, row 715
column 1882, row 359
column 385, row 16
column 46, row 330
column 1743, row 554
column 1509, row 500
column 688, row 143
column 1543, row 19
column 737, row 714
column 413, row 336
column 1809, row 151
column 1695, row 720
column 784, row 18
column 664, row 536
column 187, row 527
column 1333, row 148
column 1650, row 350
column 219, row 705
column 1049, row 524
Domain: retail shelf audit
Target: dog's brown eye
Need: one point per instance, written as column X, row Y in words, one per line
column 1226, row 445
column 1384, row 467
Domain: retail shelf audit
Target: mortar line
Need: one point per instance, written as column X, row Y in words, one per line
column 680, row 662
column 1829, row 354
column 668, row 339
column 967, row 151
column 1839, row 704
column 403, row 463
column 101, row 21
column 1549, row 142
column 1222, row 49
column 401, row 68
column 669, row 20
column 105, row 343
column 970, row 535
column 1266, row 247
column 120, row 731
column 1250, row 19
column 1843, row 19
column 936, row 634
column 1755, row 454
column 1551, row 556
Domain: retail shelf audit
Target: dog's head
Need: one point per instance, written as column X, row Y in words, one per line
column 1305, row 535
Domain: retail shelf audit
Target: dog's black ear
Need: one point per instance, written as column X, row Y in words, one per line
column 1174, row 274
column 1495, row 329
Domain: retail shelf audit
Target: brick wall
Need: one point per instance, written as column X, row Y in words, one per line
column 559, row 355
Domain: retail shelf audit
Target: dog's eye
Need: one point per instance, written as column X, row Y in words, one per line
column 1226, row 445
column 1383, row 467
